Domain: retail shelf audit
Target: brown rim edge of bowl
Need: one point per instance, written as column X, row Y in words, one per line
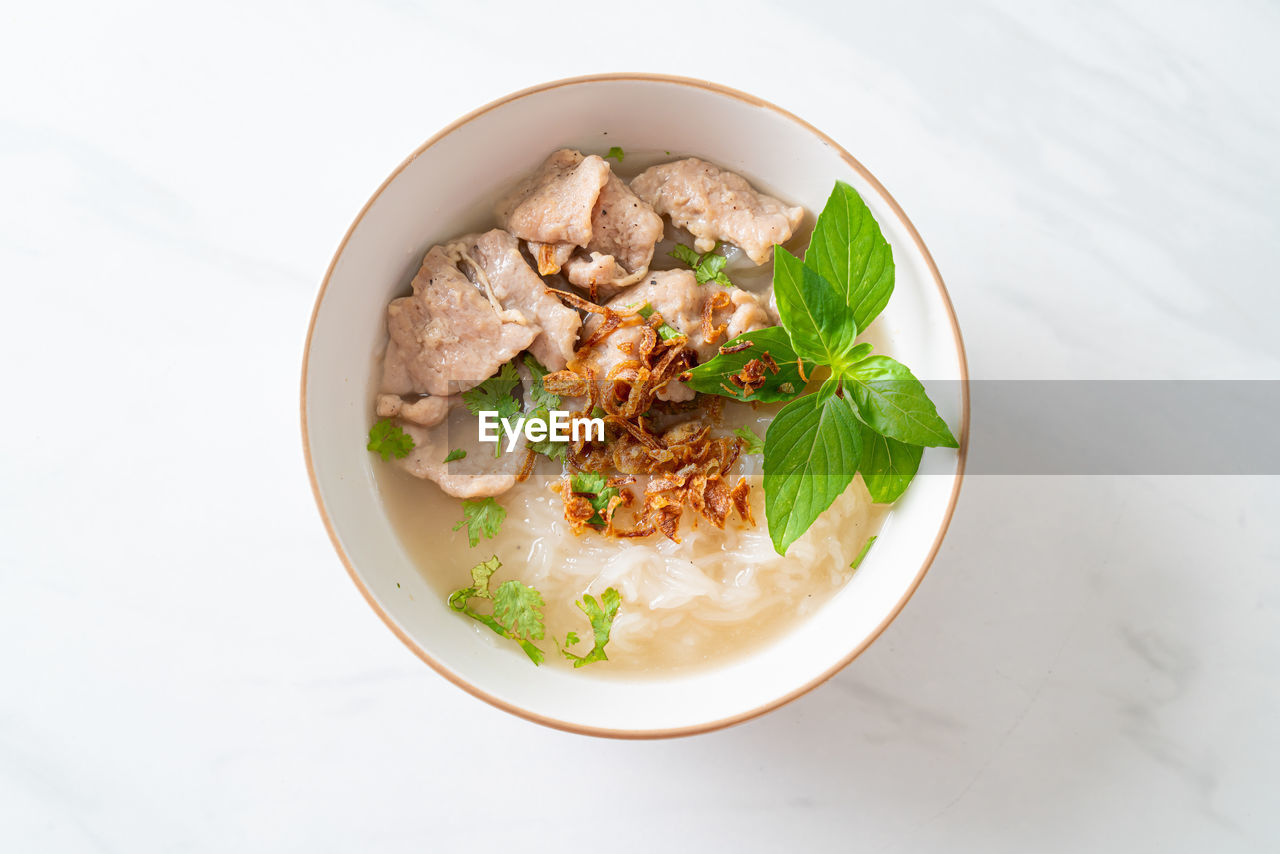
column 695, row 729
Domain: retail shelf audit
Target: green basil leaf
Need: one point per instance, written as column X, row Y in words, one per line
column 821, row 325
column 858, row 354
column 891, row 401
column 714, row 375
column 848, row 250
column 888, row 466
column 811, row 453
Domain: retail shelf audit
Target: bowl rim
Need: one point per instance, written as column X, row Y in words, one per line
column 721, row 723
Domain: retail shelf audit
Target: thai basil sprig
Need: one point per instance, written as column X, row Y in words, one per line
column 870, row 416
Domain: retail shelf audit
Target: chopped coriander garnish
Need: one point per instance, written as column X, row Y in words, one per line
column 601, row 625
column 543, row 401
column 615, row 153
column 517, row 608
column 707, row 267
column 591, row 485
column 755, row 445
column 386, row 438
column 685, row 254
column 481, row 517
column 456, row 454
column 541, row 397
column 665, row 331
column 857, row 561
column 495, row 395
column 546, row 447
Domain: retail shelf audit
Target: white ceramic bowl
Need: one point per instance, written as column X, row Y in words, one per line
column 422, row 203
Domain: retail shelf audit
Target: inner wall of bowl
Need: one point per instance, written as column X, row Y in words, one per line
column 431, row 200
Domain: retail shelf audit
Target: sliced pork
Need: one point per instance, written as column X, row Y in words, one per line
column 577, row 216
column 447, row 337
column 477, row 475
column 554, row 204
column 551, row 257
column 496, row 263
column 424, row 411
column 624, row 230
column 717, row 205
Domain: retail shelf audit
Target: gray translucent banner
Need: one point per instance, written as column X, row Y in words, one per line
column 1073, row 427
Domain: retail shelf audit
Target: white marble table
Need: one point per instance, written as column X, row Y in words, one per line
column 1092, row 664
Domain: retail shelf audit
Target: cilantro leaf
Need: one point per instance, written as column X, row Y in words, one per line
column 479, row 589
column 591, row 485
column 711, row 269
column 495, row 393
column 616, row 153
column 484, row 516
column 536, row 655
column 456, row 454
column 517, row 606
column 707, row 267
column 588, row 481
column 541, row 397
column 546, row 447
column 601, row 615
column 685, row 254
column 386, row 438
column 755, row 445
column 571, row 639
column 482, row 572
column 665, row 331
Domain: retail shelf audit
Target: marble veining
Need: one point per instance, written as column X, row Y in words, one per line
column 1092, row 664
